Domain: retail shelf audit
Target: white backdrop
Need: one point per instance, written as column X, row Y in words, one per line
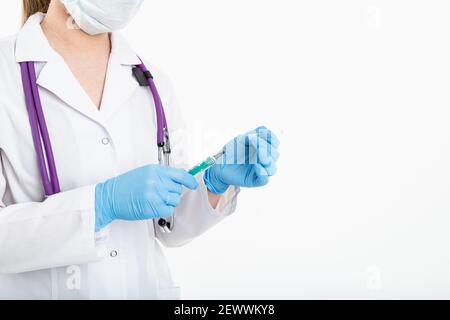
column 357, row 92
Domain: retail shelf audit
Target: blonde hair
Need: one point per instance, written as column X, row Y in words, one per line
column 31, row 7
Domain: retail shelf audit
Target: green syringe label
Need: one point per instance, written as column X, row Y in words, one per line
column 203, row 166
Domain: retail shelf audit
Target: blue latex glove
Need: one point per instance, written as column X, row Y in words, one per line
column 146, row 193
column 249, row 160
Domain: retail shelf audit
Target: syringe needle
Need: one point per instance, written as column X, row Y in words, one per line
column 219, row 155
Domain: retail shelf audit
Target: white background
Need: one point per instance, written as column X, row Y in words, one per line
column 357, row 91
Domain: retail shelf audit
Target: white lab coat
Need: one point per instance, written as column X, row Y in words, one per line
column 49, row 249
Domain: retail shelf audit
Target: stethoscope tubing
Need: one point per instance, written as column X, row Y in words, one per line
column 40, row 133
column 47, row 166
column 160, row 114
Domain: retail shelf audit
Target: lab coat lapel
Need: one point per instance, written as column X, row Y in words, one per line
column 120, row 83
column 119, row 86
column 57, row 78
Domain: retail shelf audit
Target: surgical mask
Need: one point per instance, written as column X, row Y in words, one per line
column 101, row 16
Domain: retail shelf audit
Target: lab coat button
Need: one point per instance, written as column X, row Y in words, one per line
column 113, row 253
column 105, row 141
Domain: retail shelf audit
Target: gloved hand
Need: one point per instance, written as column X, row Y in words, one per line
column 249, row 160
column 146, row 193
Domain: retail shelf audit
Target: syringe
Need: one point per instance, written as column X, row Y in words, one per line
column 208, row 163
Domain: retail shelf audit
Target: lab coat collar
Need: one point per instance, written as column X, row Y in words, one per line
column 122, row 52
column 56, row 76
column 32, row 45
column 120, row 84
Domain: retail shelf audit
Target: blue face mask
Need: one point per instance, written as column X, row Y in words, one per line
column 101, row 16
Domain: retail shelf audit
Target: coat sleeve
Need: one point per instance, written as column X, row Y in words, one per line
column 194, row 216
column 57, row 232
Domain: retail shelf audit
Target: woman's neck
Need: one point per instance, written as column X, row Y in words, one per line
column 61, row 31
column 87, row 56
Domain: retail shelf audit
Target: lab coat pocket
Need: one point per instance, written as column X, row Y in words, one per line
column 172, row 293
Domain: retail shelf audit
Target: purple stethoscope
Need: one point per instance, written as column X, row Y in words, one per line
column 39, row 130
